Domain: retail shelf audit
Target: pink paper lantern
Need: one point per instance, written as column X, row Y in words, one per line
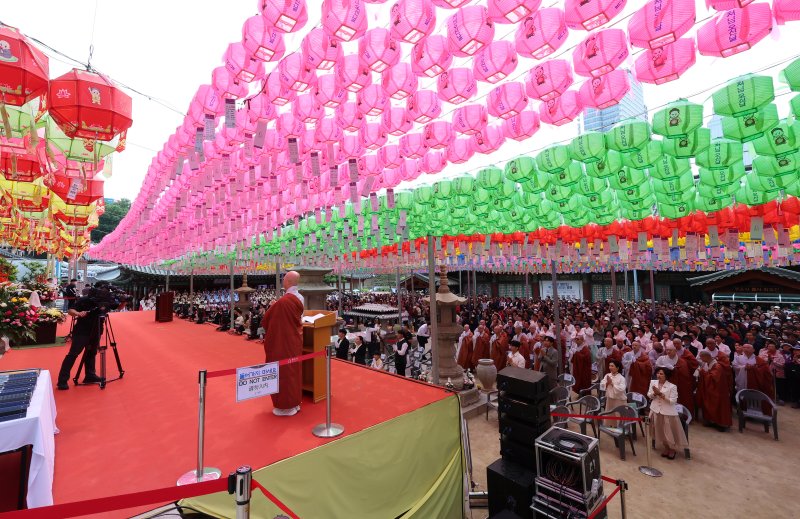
column 431, row 56
column 541, row 34
column 508, row 99
column 208, row 101
column 277, row 93
column 561, row 110
column 412, row 145
column 456, row 85
column 328, row 91
column 350, row 147
column 328, row 130
column 370, row 165
column 344, row 20
column 372, row 100
column 521, row 126
column 548, row 79
column 262, row 41
column 423, row 106
column 469, row 30
column 395, row 121
column 438, row 134
column 460, row 151
column 227, row 85
column 286, row 16
column 604, row 91
column 786, row 11
column 260, row 108
column 352, row 74
column 411, row 20
column 349, row 117
column 409, row 170
column 724, row 5
column 659, row 23
column 495, row 62
column 288, row 126
column 320, row 51
column 306, row 108
column 373, row 135
column 590, row 14
column 470, row 119
column 310, row 141
column 449, row 4
column 667, row 63
column 390, row 156
column 433, row 162
column 295, row 74
column 489, row 140
column 600, row 53
column 399, row 81
column 511, row 11
column 734, row 31
column 241, row 65
column 378, row 50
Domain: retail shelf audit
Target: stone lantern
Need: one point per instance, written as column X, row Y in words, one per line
column 312, row 286
column 448, row 331
column 244, row 291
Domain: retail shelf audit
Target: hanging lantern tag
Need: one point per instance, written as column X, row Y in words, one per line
column 208, row 126
column 613, row 246
column 334, row 177
column 74, row 188
column 353, row 192
column 401, row 221
column 368, row 186
column 261, row 134
column 390, row 198
column 713, row 236
column 251, row 175
column 756, row 228
column 230, row 113
column 373, row 202
column 642, row 242
column 315, row 163
column 294, row 153
column 353, row 168
column 451, row 250
column 374, row 225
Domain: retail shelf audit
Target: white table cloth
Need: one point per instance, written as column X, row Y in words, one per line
column 38, row 428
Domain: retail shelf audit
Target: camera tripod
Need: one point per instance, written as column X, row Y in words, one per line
column 103, row 324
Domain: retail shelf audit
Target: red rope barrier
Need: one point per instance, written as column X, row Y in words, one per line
column 284, row 362
column 596, row 417
column 120, row 502
column 269, row 495
column 604, row 503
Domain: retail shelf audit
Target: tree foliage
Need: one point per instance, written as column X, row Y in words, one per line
column 115, row 212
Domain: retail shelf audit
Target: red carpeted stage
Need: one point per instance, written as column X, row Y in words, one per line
column 141, row 432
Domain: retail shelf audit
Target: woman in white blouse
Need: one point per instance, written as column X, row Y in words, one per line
column 613, row 383
column 664, row 422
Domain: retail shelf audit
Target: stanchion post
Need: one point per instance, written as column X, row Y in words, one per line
column 623, row 486
column 328, row 429
column 647, row 470
column 239, row 484
column 201, row 473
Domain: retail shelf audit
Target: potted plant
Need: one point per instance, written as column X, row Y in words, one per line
column 17, row 317
column 46, row 325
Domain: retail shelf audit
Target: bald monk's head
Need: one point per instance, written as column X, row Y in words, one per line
column 290, row 279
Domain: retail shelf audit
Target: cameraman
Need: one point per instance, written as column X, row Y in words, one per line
column 86, row 333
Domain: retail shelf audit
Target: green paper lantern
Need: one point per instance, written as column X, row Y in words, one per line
column 528, row 200
column 443, row 189
column 568, row 176
column 781, row 140
column 668, row 167
column 721, row 191
column 749, row 196
column 464, row 184
column 636, row 214
column 556, row 193
column 553, row 159
column 791, row 75
column 643, row 158
column 605, row 219
column 481, row 196
column 503, row 204
column 588, row 185
column 679, row 184
column 767, row 166
column 628, row 135
column 490, row 178
column 689, row 145
column 627, row 177
column 544, row 210
column 722, row 177
column 792, row 189
column 520, row 169
column 571, row 205
column 404, row 200
column 423, row 195
column 601, row 200
column 761, row 183
column 710, row 205
column 678, row 198
column 480, row 209
column 635, row 192
column 459, row 201
column 610, row 165
column 588, row 147
column 638, row 203
column 721, row 154
column 794, row 104
column 675, row 211
column 538, row 184
column 506, row 190
column 752, row 126
column 743, row 95
column 678, row 119
column 578, row 221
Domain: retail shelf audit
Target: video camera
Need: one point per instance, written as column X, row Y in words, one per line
column 106, row 297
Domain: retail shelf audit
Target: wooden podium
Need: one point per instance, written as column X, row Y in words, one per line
column 316, row 337
column 164, row 308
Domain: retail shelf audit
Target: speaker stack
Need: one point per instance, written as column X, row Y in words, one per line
column 523, row 409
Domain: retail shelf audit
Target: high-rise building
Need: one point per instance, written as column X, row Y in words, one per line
column 631, row 106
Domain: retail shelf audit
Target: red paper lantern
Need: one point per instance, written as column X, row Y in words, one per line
column 88, row 105
column 89, row 190
column 24, row 69
column 18, row 165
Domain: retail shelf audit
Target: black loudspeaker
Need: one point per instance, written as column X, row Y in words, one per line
column 523, row 383
column 505, row 514
column 535, row 413
column 511, row 487
column 520, row 431
column 520, row 453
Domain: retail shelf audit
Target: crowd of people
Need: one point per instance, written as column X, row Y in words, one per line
column 214, row 307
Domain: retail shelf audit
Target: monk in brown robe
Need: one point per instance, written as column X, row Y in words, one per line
column 714, row 390
column 525, row 349
column 499, row 347
column 759, row 377
column 641, row 371
column 581, row 365
column 283, row 339
column 465, row 348
column 481, row 339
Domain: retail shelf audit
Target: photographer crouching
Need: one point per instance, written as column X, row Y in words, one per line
column 89, row 312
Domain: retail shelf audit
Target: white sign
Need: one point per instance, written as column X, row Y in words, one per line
column 566, row 289
column 256, row 381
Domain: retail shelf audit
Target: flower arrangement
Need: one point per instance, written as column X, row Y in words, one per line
column 17, row 317
column 51, row 315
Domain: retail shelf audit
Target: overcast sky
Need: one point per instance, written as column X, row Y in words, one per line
column 167, row 48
